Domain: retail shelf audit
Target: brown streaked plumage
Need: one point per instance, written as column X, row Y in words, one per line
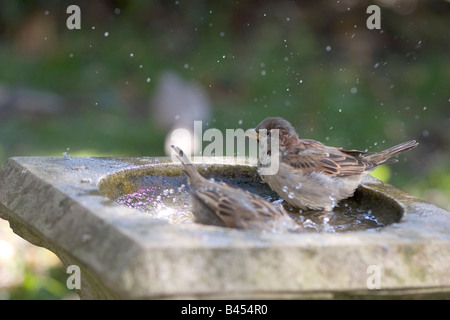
column 313, row 176
column 219, row 204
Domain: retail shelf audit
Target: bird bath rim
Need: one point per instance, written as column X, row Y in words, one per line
column 367, row 209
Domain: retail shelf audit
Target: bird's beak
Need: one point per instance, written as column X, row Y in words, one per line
column 252, row 134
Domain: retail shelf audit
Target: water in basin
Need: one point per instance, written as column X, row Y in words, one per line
column 162, row 191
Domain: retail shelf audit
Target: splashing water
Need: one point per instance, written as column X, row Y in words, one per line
column 167, row 198
column 160, row 202
column 174, row 205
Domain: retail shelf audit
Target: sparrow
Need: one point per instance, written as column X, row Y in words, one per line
column 313, row 176
column 219, row 204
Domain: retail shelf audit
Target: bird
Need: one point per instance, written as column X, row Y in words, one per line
column 312, row 175
column 219, row 204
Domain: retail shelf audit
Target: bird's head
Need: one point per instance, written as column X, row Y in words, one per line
column 286, row 131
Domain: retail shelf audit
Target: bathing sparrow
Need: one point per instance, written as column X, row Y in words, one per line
column 219, row 204
column 313, row 176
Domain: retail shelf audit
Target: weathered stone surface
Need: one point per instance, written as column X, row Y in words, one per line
column 124, row 253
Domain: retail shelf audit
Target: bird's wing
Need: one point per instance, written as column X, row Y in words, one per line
column 313, row 156
column 354, row 153
column 236, row 208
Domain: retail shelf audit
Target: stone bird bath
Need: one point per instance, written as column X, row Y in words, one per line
column 398, row 246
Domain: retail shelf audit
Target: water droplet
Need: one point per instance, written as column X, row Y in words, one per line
column 263, row 73
column 132, row 55
column 298, row 186
column 66, row 156
column 285, row 189
column 353, row 90
column 333, row 201
column 308, row 223
column 240, row 122
column 106, row 34
column 148, row 79
column 291, row 195
column 328, row 48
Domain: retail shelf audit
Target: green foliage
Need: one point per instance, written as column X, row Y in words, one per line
column 41, row 286
column 316, row 65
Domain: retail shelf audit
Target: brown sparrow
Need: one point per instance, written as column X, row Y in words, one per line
column 219, row 204
column 313, row 176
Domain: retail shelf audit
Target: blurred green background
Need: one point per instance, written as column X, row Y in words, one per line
column 88, row 92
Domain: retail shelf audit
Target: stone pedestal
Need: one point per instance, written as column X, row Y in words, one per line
column 126, row 254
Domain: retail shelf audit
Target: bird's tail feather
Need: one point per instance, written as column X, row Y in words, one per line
column 402, row 147
column 188, row 168
column 384, row 156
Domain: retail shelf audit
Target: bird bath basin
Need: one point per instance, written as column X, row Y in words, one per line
column 394, row 245
column 162, row 192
